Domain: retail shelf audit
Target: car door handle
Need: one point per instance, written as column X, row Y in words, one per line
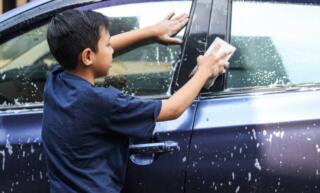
column 160, row 147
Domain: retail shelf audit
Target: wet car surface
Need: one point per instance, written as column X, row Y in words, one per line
column 256, row 130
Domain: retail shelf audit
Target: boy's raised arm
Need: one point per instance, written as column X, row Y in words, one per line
column 161, row 31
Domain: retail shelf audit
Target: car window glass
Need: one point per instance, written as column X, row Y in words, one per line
column 24, row 63
column 277, row 44
column 146, row 70
column 25, row 60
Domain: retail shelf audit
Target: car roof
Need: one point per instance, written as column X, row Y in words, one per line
column 33, row 5
column 33, row 12
column 22, row 9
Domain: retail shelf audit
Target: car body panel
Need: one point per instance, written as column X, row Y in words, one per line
column 246, row 140
column 254, row 139
column 29, row 174
column 256, row 143
column 24, row 8
column 23, row 168
column 144, row 178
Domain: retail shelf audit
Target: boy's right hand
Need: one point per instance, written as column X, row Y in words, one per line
column 213, row 64
column 210, row 65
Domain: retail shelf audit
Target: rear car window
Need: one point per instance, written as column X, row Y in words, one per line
column 277, row 44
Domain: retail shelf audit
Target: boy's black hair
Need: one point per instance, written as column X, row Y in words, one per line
column 71, row 31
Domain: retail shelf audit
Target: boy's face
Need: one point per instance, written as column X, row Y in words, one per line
column 103, row 56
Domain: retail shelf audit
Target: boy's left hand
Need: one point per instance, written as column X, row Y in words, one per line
column 169, row 27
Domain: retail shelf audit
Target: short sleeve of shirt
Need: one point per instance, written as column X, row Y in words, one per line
column 128, row 115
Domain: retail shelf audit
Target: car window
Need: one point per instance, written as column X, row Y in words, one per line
column 277, row 44
column 148, row 69
column 24, row 63
column 25, row 60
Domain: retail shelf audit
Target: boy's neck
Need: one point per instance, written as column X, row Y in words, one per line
column 84, row 74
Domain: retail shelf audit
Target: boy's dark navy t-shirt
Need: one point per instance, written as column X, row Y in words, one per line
column 85, row 133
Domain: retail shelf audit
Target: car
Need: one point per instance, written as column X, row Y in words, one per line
column 256, row 130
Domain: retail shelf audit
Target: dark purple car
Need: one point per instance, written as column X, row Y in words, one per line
column 257, row 130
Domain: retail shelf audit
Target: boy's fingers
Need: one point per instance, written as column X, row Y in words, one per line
column 169, row 16
column 227, row 64
column 221, row 69
column 182, row 24
column 178, row 17
column 222, row 63
column 174, row 41
column 181, row 17
column 185, row 16
column 199, row 58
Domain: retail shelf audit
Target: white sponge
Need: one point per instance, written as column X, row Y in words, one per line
column 224, row 47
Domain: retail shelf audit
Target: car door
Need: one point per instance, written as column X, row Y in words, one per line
column 23, row 72
column 260, row 131
column 156, row 165
column 148, row 70
column 160, row 172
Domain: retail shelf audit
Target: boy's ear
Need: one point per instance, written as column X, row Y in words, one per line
column 87, row 57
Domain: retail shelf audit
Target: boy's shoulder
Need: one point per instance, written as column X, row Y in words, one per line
column 109, row 92
column 78, row 89
column 63, row 82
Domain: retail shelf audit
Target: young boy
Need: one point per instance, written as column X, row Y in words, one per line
column 85, row 127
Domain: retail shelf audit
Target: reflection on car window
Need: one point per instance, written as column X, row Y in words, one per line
column 24, row 63
column 146, row 70
column 25, row 60
column 277, row 44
